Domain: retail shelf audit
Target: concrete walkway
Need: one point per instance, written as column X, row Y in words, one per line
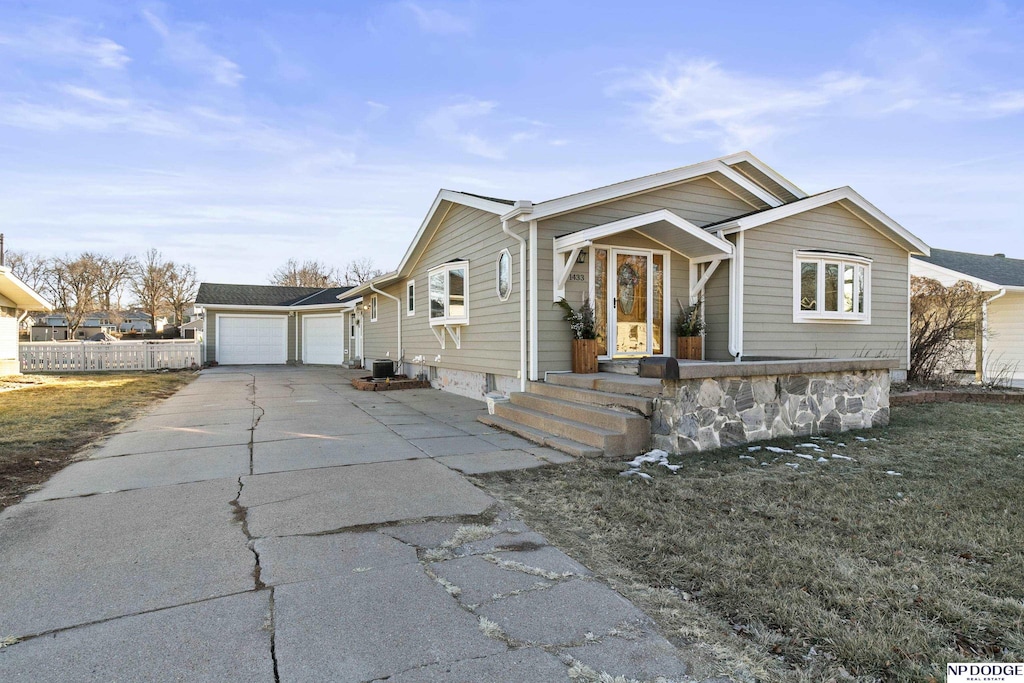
column 275, row 524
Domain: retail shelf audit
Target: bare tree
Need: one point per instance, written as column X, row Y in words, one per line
column 114, row 276
column 360, row 270
column 72, row 284
column 306, row 274
column 938, row 314
column 181, row 289
column 32, row 269
column 150, row 285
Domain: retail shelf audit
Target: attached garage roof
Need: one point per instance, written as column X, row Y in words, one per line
column 211, row 293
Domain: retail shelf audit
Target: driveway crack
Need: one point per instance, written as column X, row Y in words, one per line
column 241, row 516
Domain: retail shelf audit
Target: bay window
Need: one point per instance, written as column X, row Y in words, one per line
column 448, row 289
column 831, row 287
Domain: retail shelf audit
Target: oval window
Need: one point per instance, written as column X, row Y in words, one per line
column 504, row 274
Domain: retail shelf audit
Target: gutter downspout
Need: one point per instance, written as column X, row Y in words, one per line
column 398, row 306
column 534, row 317
column 522, row 303
column 980, row 357
column 736, row 299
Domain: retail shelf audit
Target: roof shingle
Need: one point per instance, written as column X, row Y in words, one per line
column 266, row 295
column 1008, row 272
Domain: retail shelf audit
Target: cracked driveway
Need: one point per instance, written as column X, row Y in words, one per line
column 276, row 524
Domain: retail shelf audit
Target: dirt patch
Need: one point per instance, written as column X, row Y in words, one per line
column 46, row 419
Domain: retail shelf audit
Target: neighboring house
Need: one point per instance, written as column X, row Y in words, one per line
column 1002, row 311
column 781, row 274
column 54, row 327
column 16, row 300
column 193, row 329
column 267, row 324
column 137, row 322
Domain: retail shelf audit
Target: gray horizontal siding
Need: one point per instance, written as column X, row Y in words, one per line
column 768, row 327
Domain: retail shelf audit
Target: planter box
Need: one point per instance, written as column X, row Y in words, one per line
column 584, row 356
column 690, row 348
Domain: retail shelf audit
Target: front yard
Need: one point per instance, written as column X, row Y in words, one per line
column 901, row 553
column 44, row 419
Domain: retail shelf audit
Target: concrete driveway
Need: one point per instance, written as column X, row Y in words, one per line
column 275, row 524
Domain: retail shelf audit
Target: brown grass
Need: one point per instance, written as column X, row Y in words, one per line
column 828, row 571
column 45, row 421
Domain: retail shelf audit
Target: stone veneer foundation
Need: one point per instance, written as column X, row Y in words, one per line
column 721, row 404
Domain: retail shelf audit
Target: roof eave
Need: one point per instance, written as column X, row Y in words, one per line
column 23, row 296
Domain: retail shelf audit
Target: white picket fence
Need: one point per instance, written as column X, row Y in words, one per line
column 80, row 356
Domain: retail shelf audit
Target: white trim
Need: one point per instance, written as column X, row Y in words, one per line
column 566, row 242
column 764, row 168
column 399, row 355
column 447, row 319
column 555, row 207
column 347, row 306
column 612, row 286
column 410, row 284
column 497, row 275
column 944, row 275
column 896, row 232
column 698, row 288
column 373, row 308
column 23, row 296
column 860, row 264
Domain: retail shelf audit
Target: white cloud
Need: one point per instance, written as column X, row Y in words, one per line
column 436, row 20
column 699, row 100
column 449, row 124
column 64, row 40
column 184, row 47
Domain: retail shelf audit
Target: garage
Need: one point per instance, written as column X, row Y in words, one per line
column 323, row 339
column 252, row 339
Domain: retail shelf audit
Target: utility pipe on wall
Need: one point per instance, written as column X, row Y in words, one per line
column 398, row 307
column 979, row 351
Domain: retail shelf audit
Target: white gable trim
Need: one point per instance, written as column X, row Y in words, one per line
column 766, row 169
column 584, row 237
column 948, row 275
column 555, row 207
column 896, row 232
column 23, row 296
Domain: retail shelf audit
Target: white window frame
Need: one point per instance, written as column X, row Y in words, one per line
column 373, row 308
column 410, row 297
column 821, row 258
column 448, row 319
column 497, row 275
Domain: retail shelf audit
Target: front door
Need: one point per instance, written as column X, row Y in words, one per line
column 357, row 335
column 631, row 298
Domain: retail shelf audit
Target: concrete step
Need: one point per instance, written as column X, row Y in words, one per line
column 633, row 404
column 620, row 367
column 573, row 448
column 648, row 387
column 610, row 441
column 635, row 428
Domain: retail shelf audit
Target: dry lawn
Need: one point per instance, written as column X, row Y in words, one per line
column 45, row 419
column 834, row 570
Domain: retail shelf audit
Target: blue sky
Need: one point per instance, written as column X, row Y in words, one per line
column 235, row 135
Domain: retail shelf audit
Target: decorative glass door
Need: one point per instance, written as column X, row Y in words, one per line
column 631, row 310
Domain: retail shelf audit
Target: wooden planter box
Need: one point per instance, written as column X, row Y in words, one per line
column 584, row 356
column 689, row 348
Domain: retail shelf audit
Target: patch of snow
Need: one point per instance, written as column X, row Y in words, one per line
column 747, row 457
column 820, row 459
column 793, row 465
column 807, row 445
column 655, row 457
column 842, row 457
column 893, row 473
column 804, row 456
column 751, row 449
column 861, row 438
column 776, row 449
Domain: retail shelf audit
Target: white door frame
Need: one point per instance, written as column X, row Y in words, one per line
column 305, row 337
column 220, row 316
column 357, row 341
column 611, row 278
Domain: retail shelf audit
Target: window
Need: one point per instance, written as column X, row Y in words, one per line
column 503, row 272
column 831, row 287
column 373, row 308
column 447, row 287
column 410, row 297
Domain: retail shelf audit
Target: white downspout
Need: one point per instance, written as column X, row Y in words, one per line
column 736, row 300
column 984, row 328
column 398, row 306
column 534, row 317
column 522, row 303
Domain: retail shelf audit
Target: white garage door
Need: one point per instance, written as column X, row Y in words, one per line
column 252, row 340
column 323, row 339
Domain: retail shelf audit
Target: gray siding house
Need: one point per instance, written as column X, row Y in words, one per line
column 782, row 275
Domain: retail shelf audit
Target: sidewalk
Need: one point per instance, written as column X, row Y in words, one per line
column 275, row 524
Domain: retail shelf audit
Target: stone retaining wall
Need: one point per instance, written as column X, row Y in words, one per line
column 702, row 414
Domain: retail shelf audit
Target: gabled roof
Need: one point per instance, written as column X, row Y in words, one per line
column 720, row 170
column 662, row 226
column 23, row 296
column 215, row 294
column 846, row 197
column 997, row 270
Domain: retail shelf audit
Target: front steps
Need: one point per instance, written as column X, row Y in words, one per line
column 583, row 415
